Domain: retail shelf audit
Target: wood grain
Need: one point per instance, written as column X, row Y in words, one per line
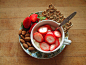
column 13, row 12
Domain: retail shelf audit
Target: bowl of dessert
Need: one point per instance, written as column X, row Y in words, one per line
column 46, row 38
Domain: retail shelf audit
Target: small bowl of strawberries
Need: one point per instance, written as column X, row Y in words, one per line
column 46, row 38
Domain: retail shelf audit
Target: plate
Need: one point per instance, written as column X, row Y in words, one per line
column 41, row 55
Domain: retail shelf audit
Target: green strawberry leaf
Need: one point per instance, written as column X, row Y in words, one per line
column 42, row 18
column 23, row 26
column 36, row 21
column 37, row 13
column 31, row 13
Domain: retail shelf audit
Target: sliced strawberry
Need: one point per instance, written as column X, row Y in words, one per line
column 32, row 27
column 43, row 30
column 48, row 26
column 50, row 38
column 27, row 22
column 52, row 47
column 44, row 46
column 34, row 18
column 57, row 34
column 57, row 43
column 38, row 37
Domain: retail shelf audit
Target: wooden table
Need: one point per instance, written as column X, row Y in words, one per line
column 13, row 12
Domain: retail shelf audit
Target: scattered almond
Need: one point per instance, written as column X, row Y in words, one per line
column 22, row 36
column 22, row 41
column 27, row 38
column 31, row 48
column 20, row 32
column 25, row 45
column 27, row 35
column 29, row 44
column 23, row 32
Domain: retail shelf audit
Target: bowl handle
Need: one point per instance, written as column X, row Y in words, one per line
column 67, row 42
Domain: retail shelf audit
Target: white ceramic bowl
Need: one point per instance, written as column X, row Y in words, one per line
column 52, row 23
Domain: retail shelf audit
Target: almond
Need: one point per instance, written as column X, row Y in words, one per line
column 29, row 44
column 31, row 48
column 27, row 38
column 22, row 41
column 23, row 32
column 27, row 35
column 20, row 32
column 22, row 37
column 25, row 45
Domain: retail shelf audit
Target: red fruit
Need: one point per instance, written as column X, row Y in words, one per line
column 44, row 46
column 56, row 29
column 46, row 19
column 34, row 18
column 57, row 34
column 48, row 26
column 43, row 30
column 32, row 27
column 50, row 38
column 38, row 37
column 52, row 47
column 57, row 43
column 27, row 22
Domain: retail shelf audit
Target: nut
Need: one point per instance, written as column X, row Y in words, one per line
column 22, row 41
column 27, row 38
column 22, row 36
column 29, row 44
column 27, row 35
column 31, row 48
column 20, row 32
column 25, row 45
column 23, row 32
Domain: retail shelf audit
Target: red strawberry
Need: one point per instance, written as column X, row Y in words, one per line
column 48, row 26
column 56, row 29
column 44, row 46
column 43, row 30
column 50, row 38
column 57, row 34
column 32, row 27
column 57, row 43
column 46, row 19
column 34, row 18
column 52, row 47
column 27, row 22
column 38, row 37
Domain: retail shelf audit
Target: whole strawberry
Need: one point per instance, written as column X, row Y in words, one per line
column 34, row 18
column 27, row 22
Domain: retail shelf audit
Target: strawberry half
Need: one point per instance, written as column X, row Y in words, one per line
column 32, row 27
column 57, row 43
column 48, row 26
column 43, row 30
column 34, row 18
column 44, row 46
column 27, row 22
column 50, row 38
column 52, row 47
column 57, row 34
column 38, row 37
